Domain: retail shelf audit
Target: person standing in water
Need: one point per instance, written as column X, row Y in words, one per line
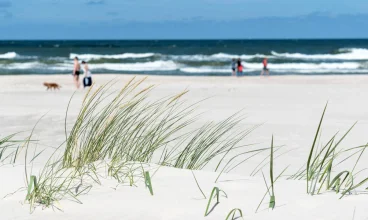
column 265, row 69
column 76, row 72
column 240, row 68
column 233, row 66
column 87, row 80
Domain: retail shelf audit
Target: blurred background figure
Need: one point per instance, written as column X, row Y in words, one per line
column 233, row 67
column 87, row 80
column 240, row 68
column 265, row 69
column 76, row 72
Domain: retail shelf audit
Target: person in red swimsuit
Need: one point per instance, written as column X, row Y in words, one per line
column 240, row 68
column 265, row 69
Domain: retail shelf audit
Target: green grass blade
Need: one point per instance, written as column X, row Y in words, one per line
column 148, row 182
column 313, row 146
column 233, row 212
column 199, row 187
column 272, row 199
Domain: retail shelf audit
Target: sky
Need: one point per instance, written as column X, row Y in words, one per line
column 165, row 19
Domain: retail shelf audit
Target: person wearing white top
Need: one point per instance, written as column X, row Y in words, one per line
column 87, row 80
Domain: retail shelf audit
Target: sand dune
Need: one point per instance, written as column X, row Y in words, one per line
column 288, row 107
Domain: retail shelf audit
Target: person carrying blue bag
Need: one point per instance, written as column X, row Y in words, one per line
column 87, row 80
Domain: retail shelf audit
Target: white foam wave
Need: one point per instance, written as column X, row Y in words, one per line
column 343, row 67
column 203, row 70
column 14, row 55
column 346, row 67
column 345, row 54
column 147, row 66
column 208, row 69
column 306, row 66
column 144, row 66
column 9, row 55
column 23, row 66
column 214, row 57
column 311, row 72
column 112, row 56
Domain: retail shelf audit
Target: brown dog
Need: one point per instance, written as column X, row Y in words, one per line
column 52, row 86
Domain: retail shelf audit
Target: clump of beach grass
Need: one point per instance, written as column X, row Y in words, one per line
column 55, row 182
column 130, row 127
column 319, row 170
column 125, row 130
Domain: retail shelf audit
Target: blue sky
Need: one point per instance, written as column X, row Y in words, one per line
column 91, row 19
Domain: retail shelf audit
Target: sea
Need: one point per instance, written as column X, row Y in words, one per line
column 185, row 57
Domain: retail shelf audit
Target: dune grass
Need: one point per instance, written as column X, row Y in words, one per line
column 130, row 127
column 125, row 129
column 322, row 162
column 9, row 149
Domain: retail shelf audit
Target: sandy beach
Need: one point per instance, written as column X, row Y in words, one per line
column 287, row 107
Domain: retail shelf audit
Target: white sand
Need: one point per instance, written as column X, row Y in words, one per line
column 289, row 107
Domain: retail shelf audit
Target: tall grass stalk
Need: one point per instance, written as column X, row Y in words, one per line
column 199, row 187
column 273, row 198
column 312, row 149
column 269, row 187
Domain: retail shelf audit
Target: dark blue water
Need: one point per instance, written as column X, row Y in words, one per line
column 186, row 57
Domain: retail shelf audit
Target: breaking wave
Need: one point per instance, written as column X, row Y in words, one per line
column 113, row 56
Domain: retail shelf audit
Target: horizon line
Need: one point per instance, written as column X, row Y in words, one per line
column 183, row 39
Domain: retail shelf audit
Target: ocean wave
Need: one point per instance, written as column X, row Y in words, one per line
column 344, row 54
column 8, row 55
column 208, row 69
column 143, row 66
column 306, row 66
column 320, row 71
column 23, row 66
column 343, row 67
column 214, row 57
column 203, row 70
column 346, row 67
column 112, row 56
column 347, row 54
column 14, row 55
